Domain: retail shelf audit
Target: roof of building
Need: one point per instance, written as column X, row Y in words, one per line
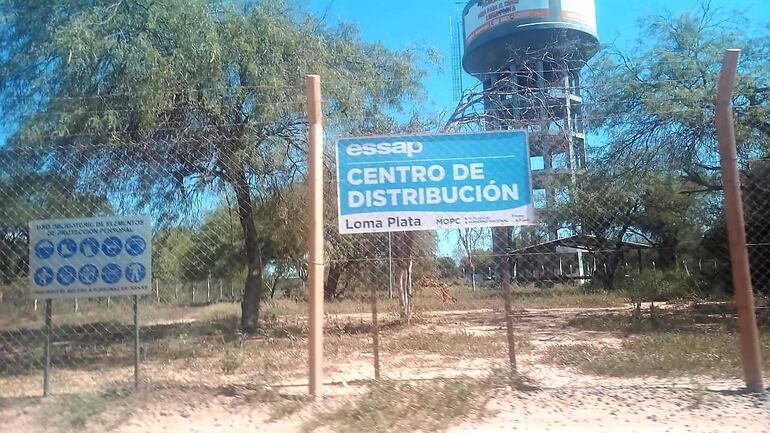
column 588, row 243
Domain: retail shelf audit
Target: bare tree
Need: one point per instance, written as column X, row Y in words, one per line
column 471, row 239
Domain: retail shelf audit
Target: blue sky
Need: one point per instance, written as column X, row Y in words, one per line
column 402, row 23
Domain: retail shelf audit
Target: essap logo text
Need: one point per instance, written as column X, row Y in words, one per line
column 408, row 148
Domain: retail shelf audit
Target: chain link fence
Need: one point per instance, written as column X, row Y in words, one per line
column 197, row 277
column 600, row 230
column 756, row 199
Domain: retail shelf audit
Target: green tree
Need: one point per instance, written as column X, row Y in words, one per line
column 483, row 261
column 655, row 105
column 173, row 100
column 470, row 240
column 756, row 199
column 170, row 250
column 27, row 194
column 616, row 205
column 349, row 254
column 447, row 268
column 671, row 221
column 279, row 230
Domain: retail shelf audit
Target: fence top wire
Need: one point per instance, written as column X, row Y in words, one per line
column 113, row 137
column 701, row 102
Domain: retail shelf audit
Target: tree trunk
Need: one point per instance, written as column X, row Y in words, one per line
column 252, row 293
column 403, row 245
column 473, row 277
column 405, row 291
column 667, row 251
column 332, row 281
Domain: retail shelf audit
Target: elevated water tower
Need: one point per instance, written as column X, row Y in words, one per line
column 528, row 54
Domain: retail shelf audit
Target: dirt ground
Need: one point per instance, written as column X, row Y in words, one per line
column 560, row 399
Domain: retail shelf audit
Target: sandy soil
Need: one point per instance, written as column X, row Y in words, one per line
column 564, row 400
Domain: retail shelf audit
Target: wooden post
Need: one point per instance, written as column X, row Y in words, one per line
column 316, row 241
column 736, row 227
column 500, row 248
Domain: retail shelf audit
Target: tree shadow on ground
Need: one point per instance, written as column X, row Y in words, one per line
column 98, row 345
column 685, row 318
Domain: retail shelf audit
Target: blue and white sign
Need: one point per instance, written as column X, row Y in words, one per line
column 90, row 257
column 426, row 182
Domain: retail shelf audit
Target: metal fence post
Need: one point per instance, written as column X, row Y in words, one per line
column 736, row 226
column 47, row 348
column 375, row 333
column 390, row 265
column 136, row 341
column 500, row 245
column 505, row 276
column 316, row 244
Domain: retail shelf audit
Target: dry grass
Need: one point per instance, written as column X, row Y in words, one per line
column 693, row 340
column 282, row 408
column 403, row 406
column 660, row 355
column 456, row 345
column 569, row 299
column 713, row 317
column 74, row 412
column 202, row 344
column 525, row 297
column 119, row 313
column 422, row 406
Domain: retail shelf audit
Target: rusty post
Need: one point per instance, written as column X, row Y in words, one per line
column 736, row 227
column 316, row 243
column 500, row 244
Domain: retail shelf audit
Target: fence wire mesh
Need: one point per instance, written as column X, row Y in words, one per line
column 756, row 199
column 601, row 230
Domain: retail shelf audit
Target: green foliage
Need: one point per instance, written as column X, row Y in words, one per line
column 614, row 206
column 27, row 196
column 215, row 249
column 483, row 260
column 655, row 103
column 756, row 199
column 447, row 268
column 169, row 250
column 661, row 286
column 162, row 105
